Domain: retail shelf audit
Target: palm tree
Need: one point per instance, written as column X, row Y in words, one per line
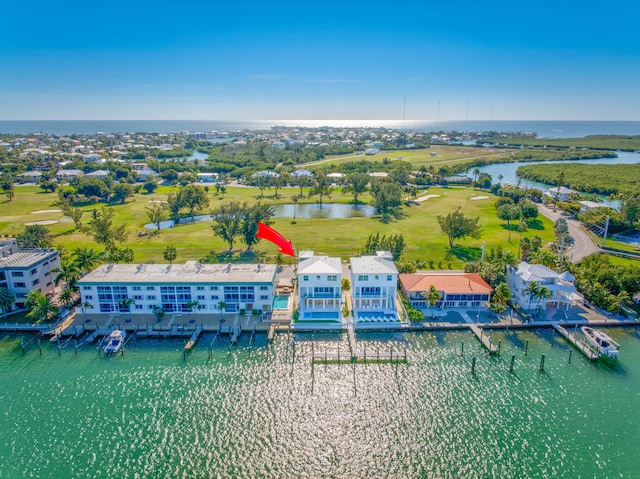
column 67, row 272
column 531, row 291
column 221, row 306
column 125, row 305
column 191, row 306
column 501, row 294
column 42, row 309
column 85, row 306
column 431, row 297
column 542, row 293
column 67, row 297
column 6, row 300
column 497, row 308
column 86, row 259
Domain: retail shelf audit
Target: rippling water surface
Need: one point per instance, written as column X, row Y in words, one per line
column 266, row 411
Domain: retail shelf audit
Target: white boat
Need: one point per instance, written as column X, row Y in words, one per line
column 602, row 342
column 116, row 340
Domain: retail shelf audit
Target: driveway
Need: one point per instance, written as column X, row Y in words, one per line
column 582, row 243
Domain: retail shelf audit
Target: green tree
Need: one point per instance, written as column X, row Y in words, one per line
column 42, row 308
column 6, row 300
column 193, row 198
column 68, row 273
column 321, row 186
column 501, row 294
column 150, row 186
column 456, row 225
column 170, row 253
column 431, row 297
column 251, row 215
column 121, row 192
column 531, row 291
column 86, row 259
column 508, row 213
column 541, row 293
column 227, row 221
column 356, row 183
column 156, row 214
column 103, row 230
column 67, row 297
column 387, row 197
column 76, row 215
column 34, row 236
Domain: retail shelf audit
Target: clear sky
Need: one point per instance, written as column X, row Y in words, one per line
column 244, row 60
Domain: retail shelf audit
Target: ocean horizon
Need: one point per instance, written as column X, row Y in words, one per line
column 544, row 128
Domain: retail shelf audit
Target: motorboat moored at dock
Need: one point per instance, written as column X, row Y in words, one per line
column 602, row 342
column 116, row 340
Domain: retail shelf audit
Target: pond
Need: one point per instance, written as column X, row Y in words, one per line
column 326, row 210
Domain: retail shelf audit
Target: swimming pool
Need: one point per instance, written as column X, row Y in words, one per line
column 281, row 301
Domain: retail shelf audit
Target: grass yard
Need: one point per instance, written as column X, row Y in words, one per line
column 337, row 237
column 444, row 155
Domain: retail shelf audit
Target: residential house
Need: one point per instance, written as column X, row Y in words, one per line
column 374, row 282
column 98, row 174
column 319, row 287
column 207, row 177
column 561, row 286
column 457, row 289
column 561, row 193
column 30, row 176
column 66, row 175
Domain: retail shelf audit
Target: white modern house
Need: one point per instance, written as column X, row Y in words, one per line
column 201, row 288
column 319, row 287
column 98, row 174
column 521, row 280
column 23, row 271
column 374, row 281
column 561, row 192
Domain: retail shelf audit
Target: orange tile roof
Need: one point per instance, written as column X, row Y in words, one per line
column 458, row 283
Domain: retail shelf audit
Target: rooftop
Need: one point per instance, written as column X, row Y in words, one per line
column 447, row 281
column 319, row 265
column 380, row 264
column 25, row 259
column 190, row 272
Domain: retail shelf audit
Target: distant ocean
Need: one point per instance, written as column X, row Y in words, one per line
column 549, row 129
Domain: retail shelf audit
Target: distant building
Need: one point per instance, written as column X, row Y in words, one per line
column 66, row 175
column 207, row 177
column 145, row 174
column 586, row 205
column 371, row 151
column 30, row 176
column 98, row 174
column 561, row 193
column 90, row 158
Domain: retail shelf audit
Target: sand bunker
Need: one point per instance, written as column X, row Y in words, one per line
column 42, row 222
column 45, row 211
column 479, row 198
column 156, row 201
column 425, row 198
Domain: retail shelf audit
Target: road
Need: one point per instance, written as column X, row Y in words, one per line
column 582, row 243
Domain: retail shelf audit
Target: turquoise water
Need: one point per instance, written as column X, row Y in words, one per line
column 281, row 301
column 266, row 411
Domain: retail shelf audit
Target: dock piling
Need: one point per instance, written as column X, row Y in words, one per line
column 75, row 345
column 39, row 347
column 462, row 349
column 513, row 359
column 473, row 365
column 570, row 351
column 499, row 344
column 542, row 362
column 526, row 347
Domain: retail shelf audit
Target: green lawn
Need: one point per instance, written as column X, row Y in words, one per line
column 444, row 155
column 335, row 237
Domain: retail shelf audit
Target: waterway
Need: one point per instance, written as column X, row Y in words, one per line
column 265, row 411
column 310, row 210
column 508, row 170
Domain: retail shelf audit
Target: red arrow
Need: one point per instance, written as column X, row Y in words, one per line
column 265, row 232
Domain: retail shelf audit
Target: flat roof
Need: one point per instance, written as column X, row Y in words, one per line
column 25, row 259
column 190, row 272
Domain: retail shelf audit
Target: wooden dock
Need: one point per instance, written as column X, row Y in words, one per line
column 582, row 346
column 484, row 339
column 275, row 327
column 365, row 357
column 23, row 327
column 193, row 339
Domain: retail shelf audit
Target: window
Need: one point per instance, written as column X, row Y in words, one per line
column 363, row 277
column 139, row 306
column 17, row 274
column 389, row 277
column 151, row 297
column 20, row 285
column 137, row 297
column 149, row 306
column 88, row 296
column 213, row 288
column 136, row 288
column 332, row 278
column 264, row 288
column 86, row 288
column 318, row 276
column 200, row 288
column 151, row 288
column 377, row 277
column 21, row 295
column 34, row 271
column 214, row 297
column 305, row 278
column 201, row 297
column 264, row 298
column 49, row 283
column 45, row 264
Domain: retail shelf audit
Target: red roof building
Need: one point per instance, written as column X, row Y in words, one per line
column 457, row 289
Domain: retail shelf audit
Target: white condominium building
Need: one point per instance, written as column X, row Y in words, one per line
column 319, row 287
column 201, row 288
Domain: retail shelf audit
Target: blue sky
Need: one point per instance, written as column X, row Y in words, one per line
column 327, row 60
